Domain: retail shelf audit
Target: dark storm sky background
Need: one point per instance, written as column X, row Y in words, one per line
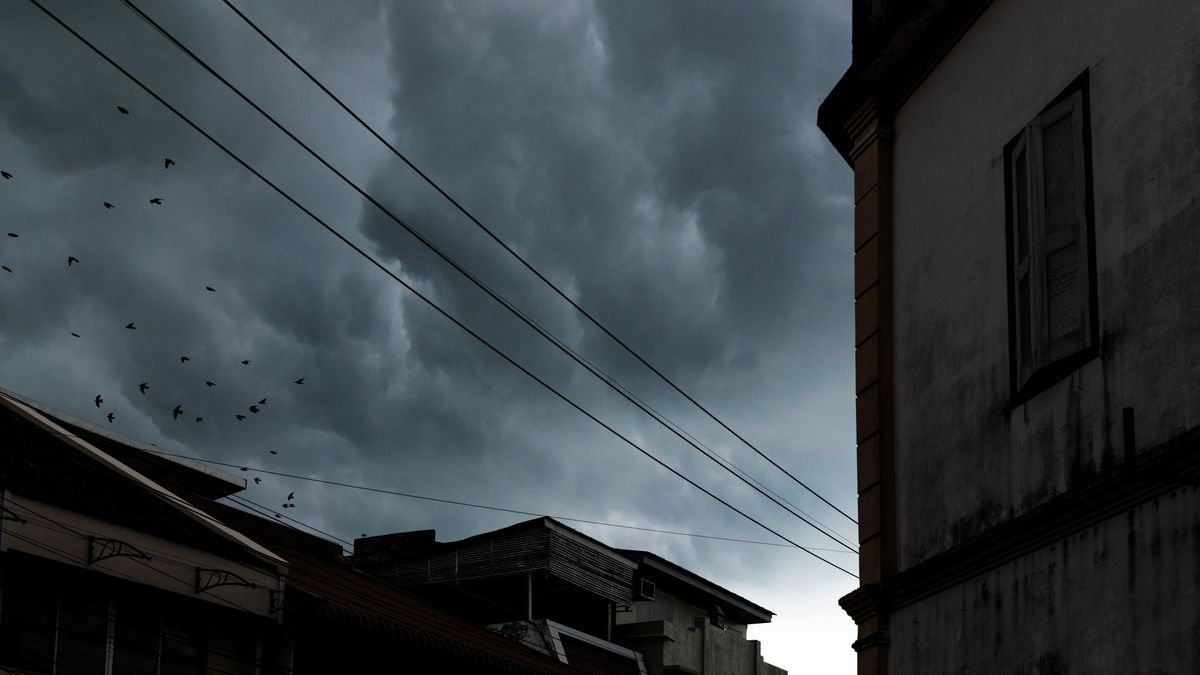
column 658, row 160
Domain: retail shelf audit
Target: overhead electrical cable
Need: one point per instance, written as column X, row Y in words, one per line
column 563, row 347
column 454, row 502
column 521, row 259
column 625, row 439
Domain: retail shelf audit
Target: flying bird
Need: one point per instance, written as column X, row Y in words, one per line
column 210, row 289
column 6, row 269
column 240, row 418
column 291, row 496
column 184, row 359
column 246, row 362
column 257, row 480
column 122, row 110
column 245, row 468
column 71, row 260
column 176, row 412
column 299, row 381
column 7, row 175
column 156, row 201
column 107, row 205
column 254, row 409
column 168, row 163
column 199, row 419
column 110, row 418
column 75, row 334
column 143, row 387
column 130, row 326
column 99, row 400
column 262, row 401
column 274, row 453
column 210, row 383
column 14, row 235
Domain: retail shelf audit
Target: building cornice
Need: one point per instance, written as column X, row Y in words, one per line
column 877, row 85
column 1161, row 470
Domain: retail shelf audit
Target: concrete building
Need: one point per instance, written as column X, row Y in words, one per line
column 1027, row 238
column 566, row 594
column 682, row 623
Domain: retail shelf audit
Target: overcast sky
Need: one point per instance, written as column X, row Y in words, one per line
column 659, row 161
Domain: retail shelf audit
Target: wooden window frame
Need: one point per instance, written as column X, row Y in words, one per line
column 1039, row 364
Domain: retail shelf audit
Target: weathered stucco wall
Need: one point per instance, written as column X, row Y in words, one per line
column 964, row 462
column 1123, row 597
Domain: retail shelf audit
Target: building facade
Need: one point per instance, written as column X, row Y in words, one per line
column 1026, row 234
column 565, row 594
column 117, row 561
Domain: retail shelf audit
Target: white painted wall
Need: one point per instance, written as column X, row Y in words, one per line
column 963, row 462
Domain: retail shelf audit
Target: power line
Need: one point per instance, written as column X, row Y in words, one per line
column 520, row 258
column 454, row 502
column 598, row 373
column 416, row 292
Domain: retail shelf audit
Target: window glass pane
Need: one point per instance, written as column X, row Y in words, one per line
column 27, row 618
column 82, row 634
column 1022, row 214
column 1058, row 156
column 1062, row 291
column 135, row 648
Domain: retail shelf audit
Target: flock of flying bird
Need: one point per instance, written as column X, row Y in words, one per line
column 143, row 387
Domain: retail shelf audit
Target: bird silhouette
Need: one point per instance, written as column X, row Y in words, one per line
column 274, row 453
column 184, row 359
column 262, row 401
column 291, row 496
column 14, row 235
column 199, row 419
column 168, row 163
column 156, row 201
column 110, row 418
column 244, row 468
column 130, row 326
column 99, row 400
column 176, row 412
column 71, row 260
column 75, row 334
column 6, row 268
column 108, row 206
column 278, row 516
column 285, row 505
column 7, row 175
column 210, row 289
column 246, row 362
column 240, row 418
column 143, row 387
column 257, row 480
column 122, row 110
column 210, row 383
column 254, row 409
column 299, row 381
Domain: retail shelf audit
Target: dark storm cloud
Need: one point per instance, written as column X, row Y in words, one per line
column 657, row 160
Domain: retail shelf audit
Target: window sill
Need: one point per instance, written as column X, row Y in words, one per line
column 1050, row 375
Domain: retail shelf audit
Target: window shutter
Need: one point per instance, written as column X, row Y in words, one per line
column 1061, row 262
column 1022, row 246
